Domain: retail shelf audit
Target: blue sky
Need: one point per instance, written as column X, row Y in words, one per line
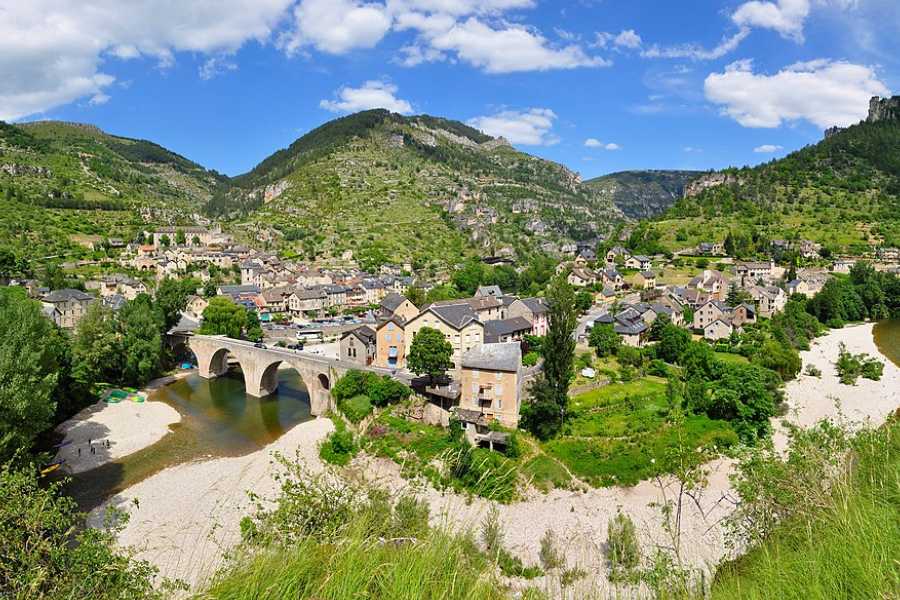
column 598, row 85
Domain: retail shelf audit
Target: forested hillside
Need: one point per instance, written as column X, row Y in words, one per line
column 388, row 187
column 64, row 182
column 843, row 192
column 642, row 194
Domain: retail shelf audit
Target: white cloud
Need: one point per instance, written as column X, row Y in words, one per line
column 695, row 52
column 98, row 99
column 510, row 49
column 595, row 143
column 336, row 26
column 784, row 16
column 823, row 92
column 51, row 51
column 692, row 149
column 533, row 127
column 628, row 39
column 215, row 66
column 768, row 148
column 372, row 94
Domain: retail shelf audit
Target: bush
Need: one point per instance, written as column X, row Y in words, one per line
column 339, row 447
column 813, row 371
column 356, row 408
column 851, row 366
column 551, row 557
column 622, row 546
column 604, row 340
column 530, row 359
column 46, row 553
column 630, row 356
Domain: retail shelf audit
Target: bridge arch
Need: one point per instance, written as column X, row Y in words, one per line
column 260, row 368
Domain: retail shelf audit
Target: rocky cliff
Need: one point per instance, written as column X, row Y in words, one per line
column 884, row 109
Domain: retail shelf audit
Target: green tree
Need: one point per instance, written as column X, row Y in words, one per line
column 416, row 295
column 673, row 341
column 48, row 553
column 164, row 240
column 548, row 410
column 469, row 277
column 140, row 327
column 223, row 317
column 429, row 354
column 172, row 298
column 96, row 351
column 195, row 240
column 604, row 339
column 254, row 329
column 180, row 239
column 28, row 371
column 583, row 301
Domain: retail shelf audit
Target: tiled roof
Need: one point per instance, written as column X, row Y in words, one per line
column 494, row 357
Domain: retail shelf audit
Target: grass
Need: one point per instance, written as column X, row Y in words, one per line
column 851, row 549
column 735, row 359
column 356, row 408
column 620, row 433
column 546, row 473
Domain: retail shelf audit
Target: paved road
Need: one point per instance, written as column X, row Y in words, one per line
column 592, row 314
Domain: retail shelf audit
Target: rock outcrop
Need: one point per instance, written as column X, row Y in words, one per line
column 884, row 109
column 706, row 182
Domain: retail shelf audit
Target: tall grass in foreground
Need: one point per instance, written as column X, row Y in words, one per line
column 849, row 548
column 358, row 566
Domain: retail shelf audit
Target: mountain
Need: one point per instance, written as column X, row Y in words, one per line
column 642, row 194
column 843, row 192
column 69, row 183
column 388, row 187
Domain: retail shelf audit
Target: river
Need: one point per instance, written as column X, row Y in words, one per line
column 887, row 338
column 217, row 419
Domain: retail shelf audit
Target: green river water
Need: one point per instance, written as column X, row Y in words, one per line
column 887, row 338
column 217, row 419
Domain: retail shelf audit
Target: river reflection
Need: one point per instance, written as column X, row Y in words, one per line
column 217, row 419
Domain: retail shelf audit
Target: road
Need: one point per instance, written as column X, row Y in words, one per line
column 593, row 313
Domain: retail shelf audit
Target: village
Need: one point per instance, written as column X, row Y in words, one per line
column 344, row 313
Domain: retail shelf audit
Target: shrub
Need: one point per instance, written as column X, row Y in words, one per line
column 339, row 447
column 851, row 366
column 356, row 408
column 622, row 546
column 628, row 355
column 550, row 555
column 530, row 359
column 813, row 371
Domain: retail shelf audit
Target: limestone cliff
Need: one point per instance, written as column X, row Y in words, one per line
column 884, row 109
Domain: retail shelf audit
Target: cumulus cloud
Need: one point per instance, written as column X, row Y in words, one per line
column 823, row 92
column 372, row 94
column 51, row 51
column 784, row 16
column 533, row 127
column 628, row 39
column 509, row 49
column 336, row 26
column 768, row 148
column 595, row 143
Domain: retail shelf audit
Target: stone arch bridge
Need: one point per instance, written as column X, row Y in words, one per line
column 260, row 367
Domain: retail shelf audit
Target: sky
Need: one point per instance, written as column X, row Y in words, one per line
column 597, row 85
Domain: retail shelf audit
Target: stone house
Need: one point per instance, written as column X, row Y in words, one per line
column 490, row 387
column 535, row 310
column 513, row 329
column 711, row 282
column 639, row 262
column 645, row 280
column 708, row 312
column 769, row 300
column 752, row 272
column 306, row 300
column 742, row 314
column 717, row 330
column 66, row 307
column 195, row 306
column 358, row 346
column 581, row 277
column 395, row 304
column 458, row 322
column 611, row 277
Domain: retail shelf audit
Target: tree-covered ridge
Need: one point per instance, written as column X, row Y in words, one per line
column 642, row 194
column 843, row 191
column 71, row 165
column 405, row 188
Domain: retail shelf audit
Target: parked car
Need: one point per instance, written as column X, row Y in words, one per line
column 259, row 345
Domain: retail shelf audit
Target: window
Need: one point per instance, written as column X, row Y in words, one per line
column 390, row 326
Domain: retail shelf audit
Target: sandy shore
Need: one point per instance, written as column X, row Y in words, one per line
column 187, row 515
column 183, row 518
column 127, row 427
